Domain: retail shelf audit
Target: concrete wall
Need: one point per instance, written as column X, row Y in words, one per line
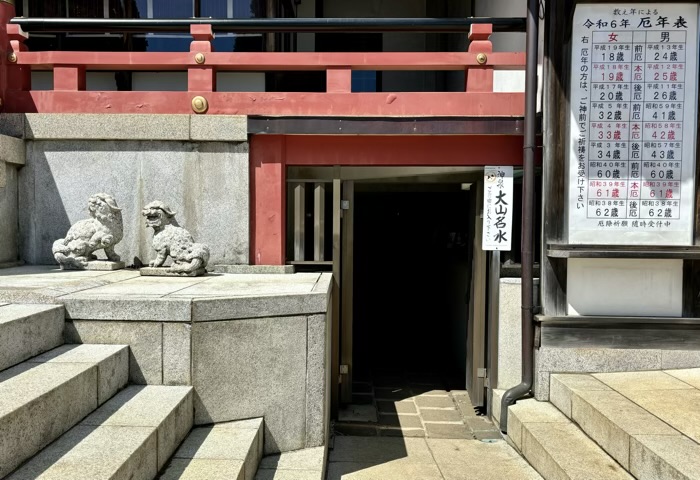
column 140, row 159
column 9, row 251
column 12, row 157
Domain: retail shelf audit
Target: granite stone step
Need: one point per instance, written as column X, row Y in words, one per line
column 223, row 451
column 42, row 398
column 306, row 464
column 28, row 330
column 557, row 448
column 604, row 406
column 129, row 437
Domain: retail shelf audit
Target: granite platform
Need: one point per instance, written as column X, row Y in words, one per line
column 126, row 295
column 253, row 344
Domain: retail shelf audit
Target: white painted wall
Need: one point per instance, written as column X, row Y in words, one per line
column 625, row 287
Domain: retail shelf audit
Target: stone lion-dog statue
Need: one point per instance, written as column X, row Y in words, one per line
column 100, row 232
column 189, row 258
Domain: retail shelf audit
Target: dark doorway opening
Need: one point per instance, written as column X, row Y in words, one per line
column 412, row 253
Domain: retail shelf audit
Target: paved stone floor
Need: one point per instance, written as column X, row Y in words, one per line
column 408, row 426
column 405, row 405
column 377, row 458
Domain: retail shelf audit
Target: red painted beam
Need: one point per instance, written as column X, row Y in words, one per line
column 272, row 61
column 268, row 200
column 7, row 11
column 415, row 104
column 271, row 154
column 431, row 150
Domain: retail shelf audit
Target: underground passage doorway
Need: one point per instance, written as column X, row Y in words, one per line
column 412, row 266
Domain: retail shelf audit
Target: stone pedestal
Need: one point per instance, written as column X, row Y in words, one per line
column 102, row 265
column 164, row 272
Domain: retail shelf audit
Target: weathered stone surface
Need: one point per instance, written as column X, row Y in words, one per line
column 398, row 469
column 40, row 402
column 467, row 459
column 624, row 381
column 270, row 474
column 215, row 174
column 12, row 150
column 254, row 269
column 434, row 402
column 509, row 333
column 177, row 357
column 668, row 457
column 112, row 364
column 530, row 411
column 550, row 447
column 165, row 272
column 680, row 359
column 396, row 407
column 9, row 213
column 690, row 376
column 555, row 359
column 104, row 265
column 496, row 399
column 226, row 442
column 317, row 380
column 12, row 124
column 678, row 408
column 253, row 368
column 208, row 309
column 102, row 231
column 306, row 459
column 446, row 430
column 27, row 330
column 86, row 305
column 441, row 416
column 68, row 126
column 402, row 421
column 609, row 419
column 171, row 240
column 379, row 450
column 89, row 453
column 168, row 410
column 219, row 128
column 562, row 385
column 144, row 340
column 203, row 469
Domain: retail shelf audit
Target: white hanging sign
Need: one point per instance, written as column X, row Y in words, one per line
column 498, row 208
column 633, row 123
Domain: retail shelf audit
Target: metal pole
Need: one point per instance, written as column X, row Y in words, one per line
column 263, row 25
column 519, row 391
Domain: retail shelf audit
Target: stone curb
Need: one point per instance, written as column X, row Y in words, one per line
column 99, row 126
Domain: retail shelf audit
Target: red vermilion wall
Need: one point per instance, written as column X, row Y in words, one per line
column 271, row 154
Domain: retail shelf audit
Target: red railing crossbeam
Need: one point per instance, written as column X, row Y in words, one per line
column 202, row 65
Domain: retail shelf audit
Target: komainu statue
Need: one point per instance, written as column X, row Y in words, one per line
column 169, row 239
column 102, row 231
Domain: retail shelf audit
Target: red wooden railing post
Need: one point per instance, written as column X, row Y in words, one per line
column 338, row 80
column 69, row 77
column 7, row 11
column 480, row 78
column 200, row 76
column 18, row 77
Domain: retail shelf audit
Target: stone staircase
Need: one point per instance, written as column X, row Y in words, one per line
column 66, row 412
column 643, row 425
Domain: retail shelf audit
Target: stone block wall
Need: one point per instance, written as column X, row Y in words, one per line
column 199, row 167
column 12, row 158
column 272, row 367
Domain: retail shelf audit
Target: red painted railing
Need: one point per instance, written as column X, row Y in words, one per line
column 202, row 64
